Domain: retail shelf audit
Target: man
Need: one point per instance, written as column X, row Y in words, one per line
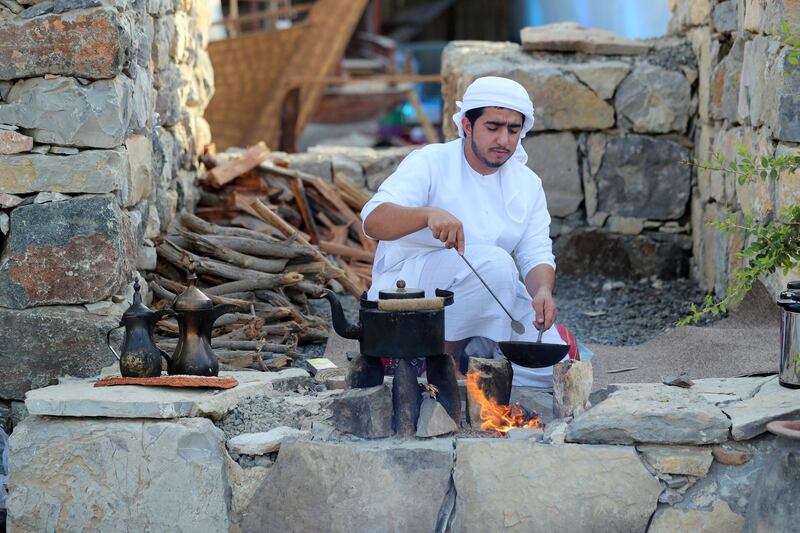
column 473, row 196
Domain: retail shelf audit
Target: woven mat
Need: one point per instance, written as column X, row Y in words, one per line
column 216, row 382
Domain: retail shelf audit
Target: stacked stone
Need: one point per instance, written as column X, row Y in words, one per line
column 613, row 122
column 749, row 95
column 101, row 105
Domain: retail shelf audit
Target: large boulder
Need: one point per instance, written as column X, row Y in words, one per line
column 643, row 177
column 353, row 486
column 78, row 250
column 88, row 44
column 117, row 475
column 653, row 99
column 524, row 486
column 62, row 111
column 39, row 345
column 572, row 37
column 554, row 158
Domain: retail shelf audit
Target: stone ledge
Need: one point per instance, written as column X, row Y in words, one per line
column 79, row 398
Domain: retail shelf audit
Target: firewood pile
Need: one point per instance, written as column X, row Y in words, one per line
column 265, row 238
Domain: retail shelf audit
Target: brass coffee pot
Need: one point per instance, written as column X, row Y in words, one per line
column 140, row 357
column 196, row 315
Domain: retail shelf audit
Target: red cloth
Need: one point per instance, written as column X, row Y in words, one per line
column 570, row 338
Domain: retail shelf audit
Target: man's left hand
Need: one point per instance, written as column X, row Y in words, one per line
column 545, row 309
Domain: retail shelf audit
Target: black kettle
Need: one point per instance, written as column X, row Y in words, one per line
column 140, row 357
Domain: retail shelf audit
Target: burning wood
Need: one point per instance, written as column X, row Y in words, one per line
column 497, row 417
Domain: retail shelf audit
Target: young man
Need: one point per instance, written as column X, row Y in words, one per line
column 473, row 196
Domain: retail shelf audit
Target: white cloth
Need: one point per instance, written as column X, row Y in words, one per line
column 505, row 212
column 493, row 91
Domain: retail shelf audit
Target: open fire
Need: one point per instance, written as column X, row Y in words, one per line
column 496, row 417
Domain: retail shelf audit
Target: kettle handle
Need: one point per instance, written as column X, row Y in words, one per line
column 108, row 342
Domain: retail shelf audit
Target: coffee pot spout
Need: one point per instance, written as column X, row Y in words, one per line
column 340, row 323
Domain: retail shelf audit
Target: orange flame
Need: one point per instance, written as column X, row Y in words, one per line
column 498, row 417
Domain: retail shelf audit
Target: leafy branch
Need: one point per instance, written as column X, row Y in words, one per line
column 749, row 168
column 792, row 40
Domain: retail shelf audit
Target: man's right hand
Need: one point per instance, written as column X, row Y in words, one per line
column 446, row 228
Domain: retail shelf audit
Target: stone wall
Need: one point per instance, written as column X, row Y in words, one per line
column 748, row 95
column 101, row 105
column 613, row 120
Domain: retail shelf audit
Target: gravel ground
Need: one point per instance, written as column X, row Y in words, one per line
column 622, row 313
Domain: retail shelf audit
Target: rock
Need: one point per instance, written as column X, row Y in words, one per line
column 366, row 413
column 89, row 171
column 62, row 111
column 63, row 150
column 653, row 100
column 561, row 101
column 781, row 108
column 650, row 413
column 4, row 223
column 12, row 6
column 71, row 252
column 134, row 474
column 36, row 10
column 140, row 163
column 243, row 484
column 9, row 200
column 758, row 85
column 625, row 225
column 772, row 402
column 554, row 158
column 104, row 308
column 62, row 6
column 641, row 177
column 726, row 390
column 45, row 197
column 525, row 486
column 433, row 420
column 12, row 142
column 535, row 400
column 720, row 519
column 146, row 258
column 344, row 167
column 91, row 45
column 572, row 37
column 724, row 16
column 555, row 432
column 263, row 443
column 314, row 164
column 381, row 478
column 686, row 460
column 41, row 149
column 525, row 434
column 670, row 496
column 601, row 253
column 572, row 382
column 603, row 77
column 82, row 399
column 773, row 504
column 731, row 453
column 494, row 380
column 378, row 164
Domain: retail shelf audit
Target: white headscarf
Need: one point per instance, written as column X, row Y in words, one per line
column 493, row 91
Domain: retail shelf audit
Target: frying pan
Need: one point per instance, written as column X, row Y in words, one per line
column 533, row 354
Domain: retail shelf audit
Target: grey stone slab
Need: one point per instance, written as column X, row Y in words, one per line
column 69, row 252
column 83, row 399
column 572, row 37
column 12, row 142
column 726, row 390
column 653, row 99
column 719, row 519
column 650, row 413
column 749, row 417
column 62, row 111
column 531, row 487
column 117, row 475
column 265, row 442
column 603, row 77
column 724, row 16
column 554, row 158
column 684, row 460
column 434, row 420
column 89, row 171
column 388, row 485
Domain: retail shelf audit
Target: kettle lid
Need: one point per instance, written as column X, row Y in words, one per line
column 192, row 298
column 400, row 293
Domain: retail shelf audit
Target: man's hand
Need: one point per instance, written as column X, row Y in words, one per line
column 446, row 228
column 545, row 309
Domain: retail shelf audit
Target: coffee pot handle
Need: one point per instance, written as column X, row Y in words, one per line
column 108, row 342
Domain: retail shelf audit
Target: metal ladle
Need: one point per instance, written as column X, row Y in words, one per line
column 516, row 325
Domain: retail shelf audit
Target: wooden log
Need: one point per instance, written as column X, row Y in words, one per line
column 174, row 288
column 270, row 217
column 198, row 225
column 275, row 249
column 346, row 251
column 205, row 246
column 351, row 193
column 262, row 281
column 181, row 258
column 572, row 383
column 230, row 170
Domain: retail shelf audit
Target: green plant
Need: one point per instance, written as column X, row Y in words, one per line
column 770, row 246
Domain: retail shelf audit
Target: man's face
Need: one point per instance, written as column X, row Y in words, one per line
column 494, row 136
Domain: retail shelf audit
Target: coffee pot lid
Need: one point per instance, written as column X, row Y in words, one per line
column 192, row 298
column 401, row 292
column 137, row 309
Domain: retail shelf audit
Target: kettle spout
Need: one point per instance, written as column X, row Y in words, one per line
column 340, row 323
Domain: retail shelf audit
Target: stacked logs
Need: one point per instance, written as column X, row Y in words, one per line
column 267, row 239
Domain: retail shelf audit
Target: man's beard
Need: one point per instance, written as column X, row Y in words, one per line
column 490, row 164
